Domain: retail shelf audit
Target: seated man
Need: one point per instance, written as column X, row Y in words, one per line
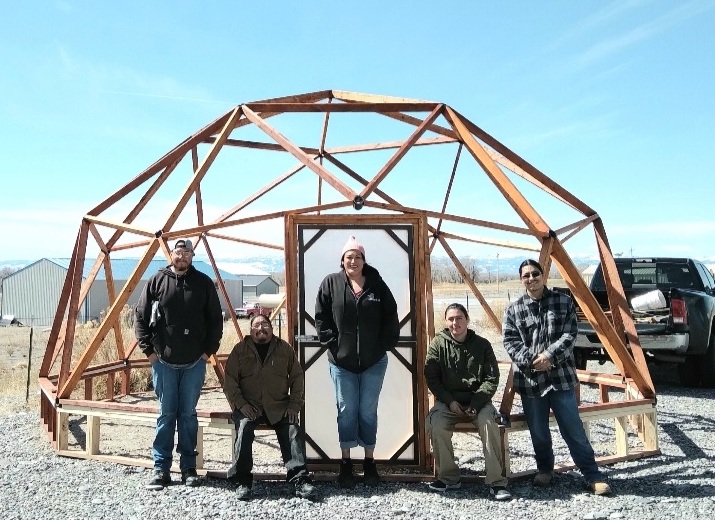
column 265, row 385
column 462, row 373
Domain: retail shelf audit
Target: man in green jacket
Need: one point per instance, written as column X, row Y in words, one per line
column 462, row 373
column 265, row 384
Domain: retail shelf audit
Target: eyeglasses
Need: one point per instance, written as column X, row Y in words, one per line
column 182, row 253
column 532, row 274
column 263, row 325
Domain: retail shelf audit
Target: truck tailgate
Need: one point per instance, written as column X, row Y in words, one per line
column 585, row 329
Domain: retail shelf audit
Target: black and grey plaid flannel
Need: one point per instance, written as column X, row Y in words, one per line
column 531, row 327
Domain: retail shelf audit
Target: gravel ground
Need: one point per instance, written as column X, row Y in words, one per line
column 35, row 483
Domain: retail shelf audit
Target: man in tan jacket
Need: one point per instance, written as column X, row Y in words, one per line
column 265, row 385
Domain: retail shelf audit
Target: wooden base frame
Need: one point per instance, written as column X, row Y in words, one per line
column 348, row 178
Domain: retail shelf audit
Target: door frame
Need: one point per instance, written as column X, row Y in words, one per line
column 422, row 308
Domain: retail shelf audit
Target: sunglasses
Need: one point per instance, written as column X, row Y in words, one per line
column 532, row 274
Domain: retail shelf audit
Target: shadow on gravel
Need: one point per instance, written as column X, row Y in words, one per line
column 77, row 432
column 681, row 426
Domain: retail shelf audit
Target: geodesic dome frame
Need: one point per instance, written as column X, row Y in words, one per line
column 331, row 180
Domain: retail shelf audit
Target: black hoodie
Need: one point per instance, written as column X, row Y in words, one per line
column 357, row 331
column 191, row 322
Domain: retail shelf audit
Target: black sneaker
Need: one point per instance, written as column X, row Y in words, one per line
column 159, row 480
column 346, row 478
column 370, row 476
column 499, row 493
column 190, row 478
column 303, row 488
column 243, row 492
column 441, row 487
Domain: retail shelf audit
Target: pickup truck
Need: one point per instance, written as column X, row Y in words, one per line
column 251, row 310
column 672, row 302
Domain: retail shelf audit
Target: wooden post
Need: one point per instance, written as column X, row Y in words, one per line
column 621, row 424
column 92, row 439
column 200, row 448
column 63, row 428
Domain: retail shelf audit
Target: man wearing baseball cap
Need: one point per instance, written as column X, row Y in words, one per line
column 178, row 326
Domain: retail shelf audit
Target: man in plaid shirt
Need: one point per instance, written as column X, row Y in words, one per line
column 539, row 332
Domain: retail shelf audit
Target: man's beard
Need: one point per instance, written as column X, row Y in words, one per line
column 262, row 340
column 181, row 265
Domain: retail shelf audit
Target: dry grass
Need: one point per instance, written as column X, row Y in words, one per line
column 15, row 341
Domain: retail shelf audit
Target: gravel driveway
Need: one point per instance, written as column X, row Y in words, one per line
column 35, row 483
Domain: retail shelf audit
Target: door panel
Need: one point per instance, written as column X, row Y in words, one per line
column 390, row 249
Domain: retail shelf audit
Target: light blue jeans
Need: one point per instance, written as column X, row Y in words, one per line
column 178, row 390
column 565, row 408
column 357, row 396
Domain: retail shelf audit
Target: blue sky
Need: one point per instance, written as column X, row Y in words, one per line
column 613, row 100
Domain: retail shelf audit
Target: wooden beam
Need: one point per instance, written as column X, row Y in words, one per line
column 308, row 97
column 291, row 271
column 170, row 235
column 324, row 132
column 496, row 322
column 246, row 241
column 620, row 310
column 178, row 151
column 203, row 169
column 252, row 198
column 392, row 162
column 415, row 121
column 218, row 369
column 119, row 226
column 66, row 387
column 525, row 170
column 449, row 216
column 549, row 186
column 257, row 145
column 491, row 241
column 610, row 339
column 57, row 333
column 513, row 196
column 153, row 188
column 425, row 106
column 446, row 195
column 344, row 95
column 579, row 225
column 298, row 154
column 77, row 265
column 371, row 147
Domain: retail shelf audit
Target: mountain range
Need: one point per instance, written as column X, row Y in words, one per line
column 275, row 263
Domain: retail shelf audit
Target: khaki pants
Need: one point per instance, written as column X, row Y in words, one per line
column 440, row 427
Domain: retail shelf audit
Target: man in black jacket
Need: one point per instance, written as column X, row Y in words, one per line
column 178, row 326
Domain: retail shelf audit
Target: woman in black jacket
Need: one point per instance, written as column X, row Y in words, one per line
column 356, row 319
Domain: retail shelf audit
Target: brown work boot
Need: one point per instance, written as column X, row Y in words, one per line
column 599, row 488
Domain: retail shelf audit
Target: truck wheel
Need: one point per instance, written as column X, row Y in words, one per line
column 708, row 365
column 689, row 371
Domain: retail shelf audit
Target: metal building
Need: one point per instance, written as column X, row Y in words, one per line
column 33, row 293
column 255, row 285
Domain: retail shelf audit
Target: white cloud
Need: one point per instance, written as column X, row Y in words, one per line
column 645, row 31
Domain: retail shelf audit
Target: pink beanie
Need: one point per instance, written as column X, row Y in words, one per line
column 353, row 245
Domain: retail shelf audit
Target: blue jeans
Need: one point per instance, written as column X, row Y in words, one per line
column 356, row 396
column 565, row 408
column 178, row 390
